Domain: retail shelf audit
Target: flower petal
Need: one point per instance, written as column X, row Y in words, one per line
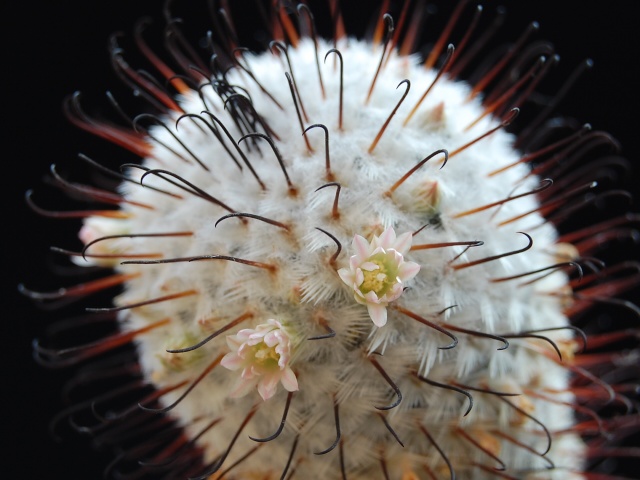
column 403, row 243
column 361, row 247
column 268, row 385
column 232, row 361
column 388, row 238
column 372, row 297
column 346, row 276
column 392, row 295
column 408, row 270
column 289, row 380
column 359, row 297
column 241, row 388
column 271, row 339
column 378, row 314
column 275, row 323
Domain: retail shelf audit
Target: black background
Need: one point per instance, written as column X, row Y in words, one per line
column 51, row 49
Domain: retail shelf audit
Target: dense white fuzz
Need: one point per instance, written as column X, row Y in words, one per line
column 328, row 341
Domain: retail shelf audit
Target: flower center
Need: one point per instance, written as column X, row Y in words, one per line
column 266, row 356
column 380, row 274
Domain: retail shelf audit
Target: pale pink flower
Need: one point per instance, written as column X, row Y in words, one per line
column 263, row 353
column 378, row 271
